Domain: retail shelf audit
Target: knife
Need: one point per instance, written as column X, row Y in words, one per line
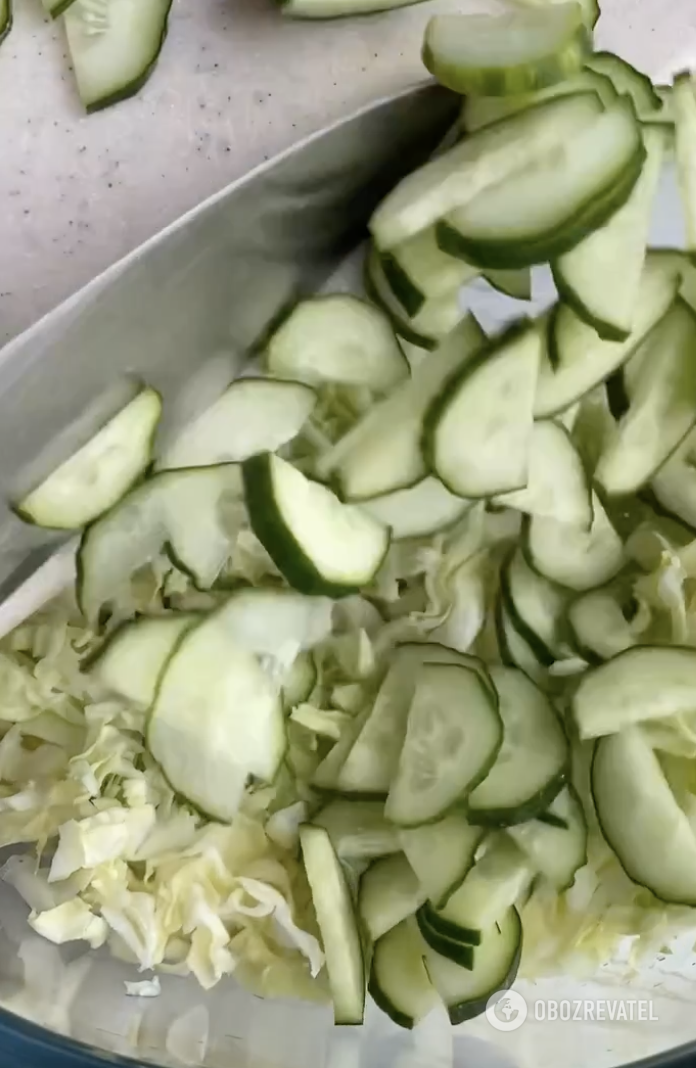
column 190, row 305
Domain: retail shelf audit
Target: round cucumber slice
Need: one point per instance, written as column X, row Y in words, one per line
column 500, row 55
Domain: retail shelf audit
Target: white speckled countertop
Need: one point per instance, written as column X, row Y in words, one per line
column 236, row 83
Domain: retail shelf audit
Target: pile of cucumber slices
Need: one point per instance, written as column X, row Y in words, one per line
column 451, row 790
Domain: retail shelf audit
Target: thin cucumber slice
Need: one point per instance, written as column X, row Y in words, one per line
column 601, row 623
column 254, row 415
column 466, row 993
column 462, row 953
column 558, row 486
column 577, row 559
column 627, row 81
column 515, row 651
column 417, row 271
column 101, row 473
column 337, row 338
column 492, row 886
column 486, row 158
column 640, row 818
column 501, row 55
column 275, row 623
column 578, row 360
column 536, row 215
column 6, row 18
column 684, row 109
column 556, row 842
column 389, row 893
column 515, row 284
column 132, row 659
column 184, row 511
column 358, row 829
column 216, row 720
column 337, row 923
column 319, row 544
column 114, row 47
column 647, row 682
column 418, row 511
column 399, row 983
column 674, row 485
column 479, row 111
column 536, row 606
column 453, row 736
column 434, row 320
column 382, row 453
column 477, row 432
column 533, row 760
column 441, row 854
column 299, row 681
column 373, row 760
column 662, row 408
column 600, row 277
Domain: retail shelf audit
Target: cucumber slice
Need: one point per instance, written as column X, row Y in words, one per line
column 627, row 81
column 216, row 720
column 389, row 893
column 466, row 993
column 577, row 559
column 492, row 886
column 373, row 760
column 640, row 818
column 501, row 55
column 441, row 854
column 417, row 271
column 399, row 983
column 535, row 215
column 477, row 432
column 358, row 829
column 578, row 360
column 382, row 453
column 684, row 109
column 453, row 736
column 326, row 774
column 601, row 623
column 435, row 319
column 418, row 511
column 320, row 545
column 515, row 651
column 674, row 485
column 182, row 510
column 533, row 760
column 6, row 18
column 337, row 338
column 558, row 486
column 536, row 606
column 485, row 159
column 275, row 623
column 662, row 407
column 556, row 841
column 600, row 278
column 101, row 473
column 299, row 681
column 132, row 659
column 647, row 682
column 479, row 111
column 114, row 46
column 337, row 923
column 254, row 415
column 462, row 953
column 515, row 284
